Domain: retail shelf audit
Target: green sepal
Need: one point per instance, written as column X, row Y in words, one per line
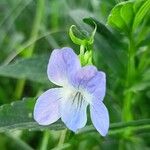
column 86, row 41
column 86, row 59
column 75, row 39
column 86, row 45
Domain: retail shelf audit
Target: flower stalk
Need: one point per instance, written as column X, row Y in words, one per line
column 129, row 95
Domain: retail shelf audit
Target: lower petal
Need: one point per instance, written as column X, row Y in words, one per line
column 46, row 110
column 100, row 117
column 73, row 113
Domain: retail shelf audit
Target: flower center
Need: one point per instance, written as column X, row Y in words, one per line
column 78, row 99
column 77, row 95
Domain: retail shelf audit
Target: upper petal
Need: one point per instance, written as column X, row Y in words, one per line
column 47, row 107
column 73, row 111
column 100, row 117
column 63, row 63
column 92, row 80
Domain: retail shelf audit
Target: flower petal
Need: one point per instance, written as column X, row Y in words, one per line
column 92, row 80
column 62, row 64
column 46, row 110
column 73, row 112
column 100, row 117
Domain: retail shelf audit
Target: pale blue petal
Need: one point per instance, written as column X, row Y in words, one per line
column 100, row 117
column 73, row 112
column 47, row 107
column 97, row 85
column 63, row 63
column 92, row 80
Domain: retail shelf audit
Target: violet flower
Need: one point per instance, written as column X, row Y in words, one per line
column 79, row 87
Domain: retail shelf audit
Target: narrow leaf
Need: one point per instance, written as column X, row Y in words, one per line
column 33, row 69
column 18, row 115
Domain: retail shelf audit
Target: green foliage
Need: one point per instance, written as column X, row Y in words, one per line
column 126, row 16
column 33, row 69
column 86, row 41
column 86, row 45
column 30, row 30
column 109, row 46
column 19, row 115
column 121, row 16
column 103, row 30
column 141, row 11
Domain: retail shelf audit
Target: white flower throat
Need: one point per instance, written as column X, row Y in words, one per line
column 78, row 99
column 76, row 95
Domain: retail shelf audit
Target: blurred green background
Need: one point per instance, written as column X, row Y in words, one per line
column 31, row 29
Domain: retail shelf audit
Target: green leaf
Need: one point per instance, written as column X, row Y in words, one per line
column 120, row 17
column 103, row 30
column 109, row 46
column 141, row 13
column 140, row 86
column 33, row 69
column 146, row 75
column 120, row 127
column 126, row 16
column 18, row 115
column 127, row 13
column 143, row 83
column 137, row 5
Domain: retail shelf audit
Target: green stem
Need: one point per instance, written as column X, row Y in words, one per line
column 19, row 89
column 62, row 137
column 45, row 140
column 55, row 6
column 81, row 55
column 62, row 147
column 127, row 114
column 82, row 48
column 35, row 29
column 36, row 25
column 128, row 96
column 131, row 62
column 26, row 45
